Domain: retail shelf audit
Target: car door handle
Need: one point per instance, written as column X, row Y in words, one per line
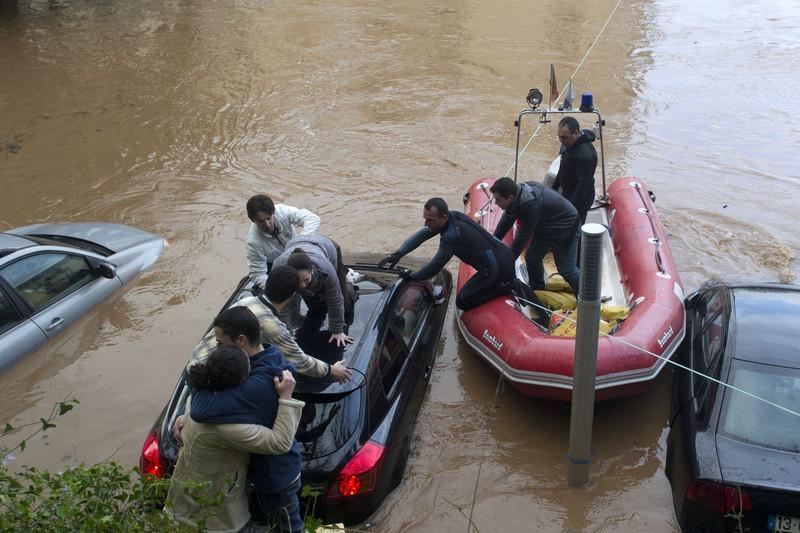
column 56, row 322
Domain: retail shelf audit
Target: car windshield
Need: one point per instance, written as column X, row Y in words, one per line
column 73, row 242
column 756, row 422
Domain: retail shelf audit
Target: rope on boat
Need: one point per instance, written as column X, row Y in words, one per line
column 670, row 361
column 656, row 241
column 580, row 64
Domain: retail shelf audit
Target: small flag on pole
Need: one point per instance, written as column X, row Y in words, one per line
column 553, row 86
column 569, row 96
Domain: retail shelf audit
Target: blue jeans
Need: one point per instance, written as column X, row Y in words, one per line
column 282, row 510
column 565, row 256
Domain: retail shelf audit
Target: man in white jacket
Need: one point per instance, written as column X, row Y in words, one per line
column 273, row 226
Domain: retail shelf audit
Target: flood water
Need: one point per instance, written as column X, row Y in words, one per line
column 169, row 115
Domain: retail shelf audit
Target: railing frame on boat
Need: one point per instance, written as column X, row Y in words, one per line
column 542, row 114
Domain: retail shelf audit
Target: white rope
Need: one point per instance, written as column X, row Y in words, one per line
column 580, row 64
column 670, row 361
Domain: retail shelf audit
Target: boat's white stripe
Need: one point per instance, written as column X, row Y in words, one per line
column 559, row 381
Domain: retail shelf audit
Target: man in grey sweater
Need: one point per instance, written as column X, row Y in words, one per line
column 323, row 283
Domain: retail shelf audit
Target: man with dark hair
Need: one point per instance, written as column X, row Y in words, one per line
column 276, row 477
column 279, row 291
column 575, row 175
column 546, row 216
column 324, row 286
column 466, row 239
column 229, row 418
column 273, row 226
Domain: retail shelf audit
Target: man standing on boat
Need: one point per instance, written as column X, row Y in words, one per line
column 463, row 237
column 273, row 226
column 575, row 175
column 548, row 218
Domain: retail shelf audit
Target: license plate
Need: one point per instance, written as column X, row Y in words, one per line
column 783, row 524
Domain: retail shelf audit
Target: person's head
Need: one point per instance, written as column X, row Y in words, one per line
column 300, row 261
column 226, row 367
column 568, row 131
column 238, row 327
column 436, row 214
column 260, row 210
column 282, row 283
column 503, row 191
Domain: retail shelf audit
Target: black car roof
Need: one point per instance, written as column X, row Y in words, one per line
column 765, row 319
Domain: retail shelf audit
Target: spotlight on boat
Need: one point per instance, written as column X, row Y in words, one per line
column 534, row 98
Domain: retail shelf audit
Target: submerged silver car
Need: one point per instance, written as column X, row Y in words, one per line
column 52, row 274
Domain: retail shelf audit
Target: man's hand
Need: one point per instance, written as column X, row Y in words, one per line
column 341, row 339
column 177, row 427
column 284, row 385
column 390, row 260
column 340, row 372
column 406, row 274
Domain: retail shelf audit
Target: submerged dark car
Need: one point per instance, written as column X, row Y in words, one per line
column 355, row 437
column 733, row 460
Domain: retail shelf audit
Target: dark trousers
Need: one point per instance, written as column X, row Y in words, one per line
column 490, row 283
column 281, row 511
column 565, row 255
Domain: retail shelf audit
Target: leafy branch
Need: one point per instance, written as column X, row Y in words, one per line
column 42, row 425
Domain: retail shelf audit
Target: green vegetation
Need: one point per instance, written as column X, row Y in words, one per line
column 104, row 497
column 101, row 497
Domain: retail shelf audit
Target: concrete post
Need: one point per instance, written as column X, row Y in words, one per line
column 580, row 428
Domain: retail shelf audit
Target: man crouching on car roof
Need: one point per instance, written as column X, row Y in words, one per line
column 276, row 477
column 217, row 448
column 279, row 290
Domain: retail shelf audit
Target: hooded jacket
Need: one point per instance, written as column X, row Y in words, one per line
column 322, row 252
column 264, row 248
column 576, row 172
column 219, row 453
column 253, row 402
column 543, row 214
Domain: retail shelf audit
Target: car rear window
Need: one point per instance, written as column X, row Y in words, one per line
column 756, row 422
column 326, row 426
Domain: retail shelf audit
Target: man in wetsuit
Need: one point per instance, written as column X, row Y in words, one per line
column 547, row 220
column 575, row 175
column 463, row 237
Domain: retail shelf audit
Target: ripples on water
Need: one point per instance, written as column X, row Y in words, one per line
column 168, row 115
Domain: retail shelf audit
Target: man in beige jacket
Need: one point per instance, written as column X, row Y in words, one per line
column 217, row 455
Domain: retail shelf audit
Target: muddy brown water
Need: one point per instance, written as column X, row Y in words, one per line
column 169, row 115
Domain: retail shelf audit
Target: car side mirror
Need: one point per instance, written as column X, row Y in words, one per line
column 103, row 268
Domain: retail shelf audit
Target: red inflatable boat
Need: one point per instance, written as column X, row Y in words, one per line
column 638, row 273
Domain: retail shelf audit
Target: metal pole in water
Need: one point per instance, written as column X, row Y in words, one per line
column 586, row 335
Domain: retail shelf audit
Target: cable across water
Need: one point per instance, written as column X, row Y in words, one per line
column 669, row 361
column 580, row 64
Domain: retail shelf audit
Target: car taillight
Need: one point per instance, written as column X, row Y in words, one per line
column 723, row 498
column 360, row 473
column 150, row 460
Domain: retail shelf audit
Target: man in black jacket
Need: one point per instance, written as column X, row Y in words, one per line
column 548, row 218
column 466, row 239
column 575, row 175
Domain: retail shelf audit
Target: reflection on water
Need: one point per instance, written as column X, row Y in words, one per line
column 169, row 115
